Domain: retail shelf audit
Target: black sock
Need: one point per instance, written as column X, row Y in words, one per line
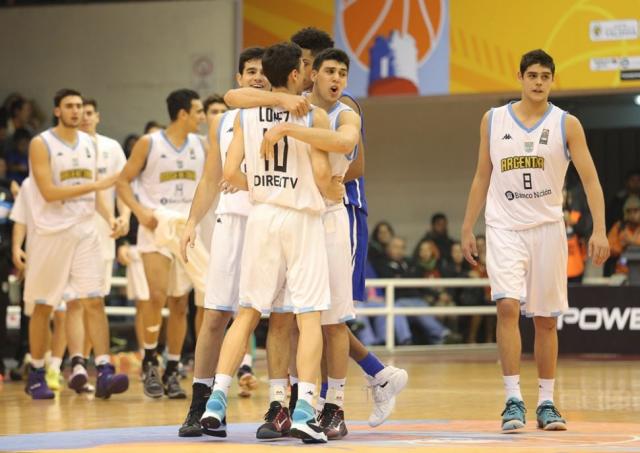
column 150, row 356
column 293, row 399
column 77, row 360
column 172, row 367
column 201, row 393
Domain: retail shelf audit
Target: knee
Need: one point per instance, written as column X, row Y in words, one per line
column 508, row 310
column 177, row 307
column 158, row 297
column 215, row 321
column 333, row 330
column 545, row 325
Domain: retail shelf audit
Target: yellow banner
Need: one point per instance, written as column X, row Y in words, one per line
column 590, row 41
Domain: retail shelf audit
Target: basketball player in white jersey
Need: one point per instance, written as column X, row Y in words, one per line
column 330, row 71
column 23, row 231
column 214, row 106
column 68, row 264
column 284, row 240
column 168, row 164
column 223, row 275
column 111, row 160
column 386, row 382
column 525, row 148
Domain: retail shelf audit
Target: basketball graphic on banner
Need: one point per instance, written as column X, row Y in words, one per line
column 391, row 39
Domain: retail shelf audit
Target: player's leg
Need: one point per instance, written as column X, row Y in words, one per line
column 214, row 418
column 38, row 333
column 507, row 259
column 176, row 333
column 58, row 347
column 157, row 269
column 278, row 417
column 247, row 382
column 547, row 300
column 386, row 382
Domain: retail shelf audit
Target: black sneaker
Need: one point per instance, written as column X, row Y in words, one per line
column 172, row 387
column 191, row 426
column 277, row 422
column 152, row 384
column 331, row 420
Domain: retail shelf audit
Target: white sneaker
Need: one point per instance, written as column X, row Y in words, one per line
column 387, row 384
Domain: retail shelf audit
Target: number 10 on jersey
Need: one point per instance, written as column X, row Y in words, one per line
column 280, row 166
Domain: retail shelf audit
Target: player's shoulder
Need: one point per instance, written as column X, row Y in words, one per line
column 349, row 100
column 108, row 141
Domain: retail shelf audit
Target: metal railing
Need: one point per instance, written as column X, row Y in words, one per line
column 390, row 310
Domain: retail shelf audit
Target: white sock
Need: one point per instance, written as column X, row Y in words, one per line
column 512, row 386
column 55, row 363
column 222, row 382
column 293, row 380
column 306, row 391
column 277, row 390
column 545, row 390
column 151, row 345
column 247, row 360
column 103, row 359
column 206, row 381
column 173, row 357
column 335, row 393
column 37, row 363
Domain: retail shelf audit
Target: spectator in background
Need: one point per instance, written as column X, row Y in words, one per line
column 17, row 155
column 439, row 234
column 20, row 115
column 578, row 225
column 151, row 127
column 615, row 206
column 625, row 233
column 214, row 105
column 380, row 237
column 128, row 143
column 395, row 265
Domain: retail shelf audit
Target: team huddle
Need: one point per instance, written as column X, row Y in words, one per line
column 283, row 175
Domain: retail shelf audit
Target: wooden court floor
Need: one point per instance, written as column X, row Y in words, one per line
column 452, row 403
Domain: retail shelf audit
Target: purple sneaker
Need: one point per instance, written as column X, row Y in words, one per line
column 37, row 385
column 109, row 383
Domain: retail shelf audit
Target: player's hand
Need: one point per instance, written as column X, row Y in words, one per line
column 147, row 219
column 269, row 140
column 122, row 226
column 188, row 239
column 19, row 258
column 106, row 182
column 336, row 190
column 14, row 187
column 227, row 187
column 469, row 247
column 297, row 105
column 123, row 255
column 598, row 248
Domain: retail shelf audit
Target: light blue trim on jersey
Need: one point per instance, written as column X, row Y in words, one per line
column 347, row 318
column 72, row 147
column 522, row 126
column 241, row 113
column 184, row 145
column 310, row 119
column 334, row 107
column 222, row 308
column 490, row 121
column 218, row 132
column 563, row 129
column 46, row 143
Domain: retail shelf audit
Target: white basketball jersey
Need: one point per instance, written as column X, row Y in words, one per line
column 230, row 203
column 339, row 162
column 171, row 175
column 111, row 160
column 287, row 179
column 70, row 165
column 529, row 167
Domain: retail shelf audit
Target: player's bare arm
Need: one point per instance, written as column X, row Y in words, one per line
column 207, row 191
column 18, row 255
column 131, row 170
column 235, row 155
column 331, row 188
column 477, row 193
column 39, row 161
column 253, row 97
column 577, row 143
column 343, row 140
column 356, row 169
column 107, row 215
